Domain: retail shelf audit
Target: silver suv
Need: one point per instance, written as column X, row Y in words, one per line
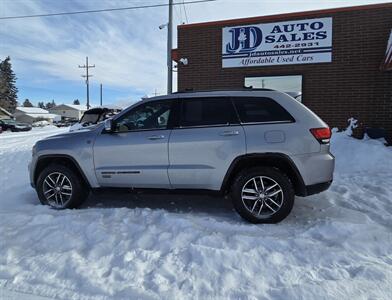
column 262, row 147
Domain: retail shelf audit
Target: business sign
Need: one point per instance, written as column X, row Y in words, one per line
column 283, row 43
column 387, row 62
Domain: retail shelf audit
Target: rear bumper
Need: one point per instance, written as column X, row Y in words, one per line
column 317, row 188
column 315, row 168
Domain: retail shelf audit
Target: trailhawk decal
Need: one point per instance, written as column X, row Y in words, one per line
column 282, row 43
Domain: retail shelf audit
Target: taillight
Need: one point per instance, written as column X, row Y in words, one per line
column 323, row 135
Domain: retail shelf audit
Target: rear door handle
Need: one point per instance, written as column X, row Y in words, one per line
column 156, row 137
column 230, row 133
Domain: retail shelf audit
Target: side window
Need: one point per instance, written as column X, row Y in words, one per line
column 147, row 116
column 254, row 110
column 207, row 112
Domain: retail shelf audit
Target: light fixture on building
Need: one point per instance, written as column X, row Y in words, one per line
column 163, row 26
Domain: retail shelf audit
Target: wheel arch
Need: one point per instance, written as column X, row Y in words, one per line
column 63, row 159
column 276, row 160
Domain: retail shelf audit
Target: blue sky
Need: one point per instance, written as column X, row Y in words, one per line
column 127, row 47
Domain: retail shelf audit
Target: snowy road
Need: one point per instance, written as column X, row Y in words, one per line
column 335, row 245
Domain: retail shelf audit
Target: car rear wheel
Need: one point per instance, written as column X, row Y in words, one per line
column 60, row 187
column 263, row 195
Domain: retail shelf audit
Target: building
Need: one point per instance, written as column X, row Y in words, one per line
column 337, row 59
column 34, row 114
column 5, row 114
column 69, row 111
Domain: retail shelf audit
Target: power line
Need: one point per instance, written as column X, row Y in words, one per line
column 182, row 22
column 179, row 15
column 102, row 10
column 186, row 16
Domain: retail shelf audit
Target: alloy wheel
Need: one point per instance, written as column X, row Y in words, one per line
column 262, row 196
column 57, row 189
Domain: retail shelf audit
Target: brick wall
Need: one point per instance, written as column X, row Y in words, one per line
column 352, row 85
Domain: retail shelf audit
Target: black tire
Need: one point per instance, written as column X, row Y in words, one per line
column 79, row 192
column 276, row 175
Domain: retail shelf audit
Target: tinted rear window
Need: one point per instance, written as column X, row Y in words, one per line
column 254, row 110
column 206, row 111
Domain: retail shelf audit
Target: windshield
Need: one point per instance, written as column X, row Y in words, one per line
column 97, row 116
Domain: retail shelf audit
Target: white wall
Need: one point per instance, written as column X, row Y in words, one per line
column 67, row 113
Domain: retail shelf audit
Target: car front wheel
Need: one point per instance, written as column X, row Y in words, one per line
column 263, row 195
column 60, row 187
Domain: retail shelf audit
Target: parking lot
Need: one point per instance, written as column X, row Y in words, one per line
column 334, row 245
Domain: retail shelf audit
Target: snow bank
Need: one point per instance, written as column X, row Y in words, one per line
column 335, row 245
column 353, row 155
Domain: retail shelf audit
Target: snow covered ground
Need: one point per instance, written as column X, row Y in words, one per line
column 335, row 245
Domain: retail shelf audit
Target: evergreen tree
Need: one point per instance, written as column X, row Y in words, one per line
column 76, row 102
column 27, row 103
column 8, row 90
column 50, row 105
column 41, row 105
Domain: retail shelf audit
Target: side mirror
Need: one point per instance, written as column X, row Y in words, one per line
column 109, row 126
column 161, row 121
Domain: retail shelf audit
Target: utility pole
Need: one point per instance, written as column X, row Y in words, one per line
column 100, row 93
column 169, row 48
column 87, row 76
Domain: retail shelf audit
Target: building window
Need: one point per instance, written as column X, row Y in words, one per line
column 289, row 84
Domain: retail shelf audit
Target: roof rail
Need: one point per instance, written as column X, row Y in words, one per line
column 223, row 90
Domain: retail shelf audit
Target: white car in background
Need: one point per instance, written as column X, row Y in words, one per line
column 42, row 123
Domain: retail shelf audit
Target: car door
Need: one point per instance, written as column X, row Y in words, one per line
column 205, row 142
column 135, row 154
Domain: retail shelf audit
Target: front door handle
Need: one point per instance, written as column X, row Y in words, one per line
column 156, row 137
column 230, row 133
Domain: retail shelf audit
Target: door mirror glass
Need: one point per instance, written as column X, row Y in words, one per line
column 161, row 121
column 109, row 125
